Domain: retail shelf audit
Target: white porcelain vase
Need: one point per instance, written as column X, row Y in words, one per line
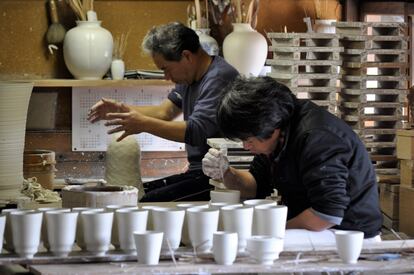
column 324, row 26
column 208, row 43
column 245, row 49
column 14, row 102
column 117, row 69
column 87, row 50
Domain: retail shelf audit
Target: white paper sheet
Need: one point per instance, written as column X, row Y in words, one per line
column 93, row 137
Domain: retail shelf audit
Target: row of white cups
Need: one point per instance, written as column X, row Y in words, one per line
column 223, row 228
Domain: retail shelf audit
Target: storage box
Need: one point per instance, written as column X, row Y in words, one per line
column 407, row 172
column 99, row 196
column 405, row 144
column 389, row 200
column 407, row 210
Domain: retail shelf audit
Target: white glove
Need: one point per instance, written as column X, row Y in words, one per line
column 215, row 164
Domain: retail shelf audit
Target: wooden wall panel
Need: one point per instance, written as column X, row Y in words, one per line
column 24, row 23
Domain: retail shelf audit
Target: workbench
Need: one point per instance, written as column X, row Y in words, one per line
column 299, row 259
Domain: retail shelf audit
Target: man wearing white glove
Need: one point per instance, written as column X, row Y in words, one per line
column 315, row 160
column 216, row 166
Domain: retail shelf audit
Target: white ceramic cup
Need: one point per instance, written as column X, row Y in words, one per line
column 43, row 232
column 271, row 220
column 150, row 222
column 202, row 223
column 97, row 228
column 148, row 246
column 225, row 195
column 130, row 220
column 26, row 228
column 185, row 239
column 61, row 231
column 264, row 249
column 254, row 203
column 170, row 221
column 349, row 245
column 80, row 241
column 114, row 234
column 8, row 232
column 225, row 247
column 219, row 205
column 238, row 219
column 2, row 227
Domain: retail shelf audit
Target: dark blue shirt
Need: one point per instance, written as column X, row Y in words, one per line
column 198, row 102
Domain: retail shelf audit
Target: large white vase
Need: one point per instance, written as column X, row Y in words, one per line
column 87, row 50
column 14, row 102
column 245, row 49
column 208, row 43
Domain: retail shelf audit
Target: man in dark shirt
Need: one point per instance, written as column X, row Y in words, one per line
column 317, row 163
column 199, row 79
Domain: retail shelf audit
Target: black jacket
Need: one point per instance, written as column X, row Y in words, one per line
column 324, row 165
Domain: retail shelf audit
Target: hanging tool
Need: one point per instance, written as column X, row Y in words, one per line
column 56, row 32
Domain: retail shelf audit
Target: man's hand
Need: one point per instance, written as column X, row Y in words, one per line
column 130, row 123
column 104, row 106
column 215, row 164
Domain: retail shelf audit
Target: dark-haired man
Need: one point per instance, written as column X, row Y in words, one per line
column 199, row 78
column 317, row 163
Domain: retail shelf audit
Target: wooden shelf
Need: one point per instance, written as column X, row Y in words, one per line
column 99, row 83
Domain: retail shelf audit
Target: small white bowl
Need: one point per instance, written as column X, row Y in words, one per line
column 264, row 249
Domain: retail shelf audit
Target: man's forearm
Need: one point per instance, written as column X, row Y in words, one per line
column 242, row 181
column 308, row 220
column 171, row 130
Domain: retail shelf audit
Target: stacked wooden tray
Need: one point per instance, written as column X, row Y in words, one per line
column 308, row 63
column 374, row 86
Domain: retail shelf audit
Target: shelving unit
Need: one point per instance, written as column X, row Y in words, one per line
column 98, row 83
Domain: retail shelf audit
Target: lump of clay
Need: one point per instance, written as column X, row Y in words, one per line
column 122, row 165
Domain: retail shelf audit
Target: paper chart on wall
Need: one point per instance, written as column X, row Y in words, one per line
column 93, row 137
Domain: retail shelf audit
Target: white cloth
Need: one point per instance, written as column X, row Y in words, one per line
column 215, row 164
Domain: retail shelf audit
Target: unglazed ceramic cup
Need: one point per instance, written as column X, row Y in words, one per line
column 148, row 244
column 202, row 223
column 264, row 249
column 219, row 205
column 43, row 232
column 97, row 228
column 238, row 219
column 271, row 220
column 2, row 227
column 349, row 245
column 150, row 222
column 114, row 234
column 225, row 195
column 130, row 220
column 254, row 203
column 185, row 239
column 225, row 247
column 61, row 231
column 80, row 241
column 26, row 228
column 8, row 232
column 170, row 221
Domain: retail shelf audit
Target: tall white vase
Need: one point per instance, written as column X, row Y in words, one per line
column 245, row 49
column 208, row 43
column 14, row 102
column 87, row 50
